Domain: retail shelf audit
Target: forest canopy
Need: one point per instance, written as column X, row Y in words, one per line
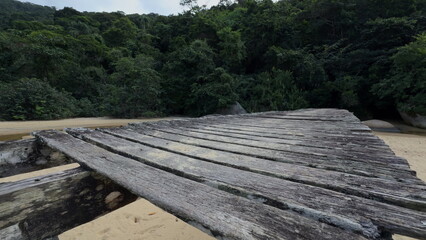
column 368, row 56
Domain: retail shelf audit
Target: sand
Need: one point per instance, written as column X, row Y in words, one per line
column 12, row 130
column 409, row 146
column 143, row 220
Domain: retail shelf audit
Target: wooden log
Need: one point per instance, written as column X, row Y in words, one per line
column 226, row 215
column 331, row 207
column 346, row 166
column 17, row 157
column 42, row 207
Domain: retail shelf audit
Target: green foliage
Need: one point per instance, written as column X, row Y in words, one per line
column 28, row 99
column 133, row 89
column 185, row 67
column 275, row 91
column 407, row 82
column 216, row 91
column 121, row 32
column 232, row 48
column 268, row 55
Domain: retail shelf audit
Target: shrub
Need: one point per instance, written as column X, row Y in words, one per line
column 28, row 99
column 407, row 82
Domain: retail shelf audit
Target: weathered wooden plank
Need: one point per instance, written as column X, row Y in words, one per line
column 294, row 141
column 341, row 126
column 24, row 156
column 46, row 206
column 223, row 213
column 294, row 133
column 331, row 142
column 407, row 177
column 277, row 192
column 316, row 112
column 294, row 130
column 308, row 118
column 363, row 144
column 366, row 156
column 339, row 165
column 332, row 115
column 312, row 125
column 357, row 185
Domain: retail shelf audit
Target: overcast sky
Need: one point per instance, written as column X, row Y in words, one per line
column 164, row 7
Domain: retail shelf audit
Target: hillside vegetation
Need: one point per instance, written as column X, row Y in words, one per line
column 368, row 56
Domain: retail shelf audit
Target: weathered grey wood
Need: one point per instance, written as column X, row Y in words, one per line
column 311, row 125
column 213, row 124
column 297, row 131
column 297, row 142
column 372, row 143
column 331, row 207
column 366, row 156
column 16, row 152
column 411, row 194
column 334, row 142
column 335, row 115
column 223, row 213
column 264, row 118
column 339, row 165
column 12, row 233
column 327, row 114
column 49, row 205
column 17, row 157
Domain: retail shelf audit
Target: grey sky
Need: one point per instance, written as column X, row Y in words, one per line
column 164, row 7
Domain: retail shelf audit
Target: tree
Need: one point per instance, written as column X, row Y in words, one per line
column 274, row 91
column 28, row 99
column 232, row 48
column 133, row 89
column 121, row 33
column 407, row 82
column 212, row 93
column 185, row 67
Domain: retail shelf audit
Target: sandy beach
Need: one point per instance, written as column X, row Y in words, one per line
column 12, row 130
column 143, row 220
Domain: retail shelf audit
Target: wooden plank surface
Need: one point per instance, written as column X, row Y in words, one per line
column 320, row 171
column 316, row 161
column 404, row 194
column 223, row 213
column 336, row 208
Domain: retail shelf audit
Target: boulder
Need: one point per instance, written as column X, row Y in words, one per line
column 379, row 125
column 415, row 120
column 232, row 110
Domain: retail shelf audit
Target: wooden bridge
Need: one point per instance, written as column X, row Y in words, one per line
column 308, row 174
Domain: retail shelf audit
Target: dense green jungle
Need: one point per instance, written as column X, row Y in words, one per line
column 367, row 56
